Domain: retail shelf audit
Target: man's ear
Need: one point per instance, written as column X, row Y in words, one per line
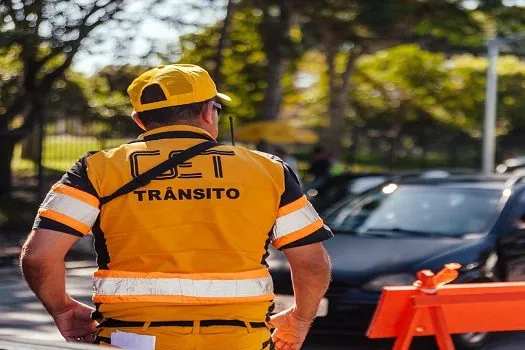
column 136, row 119
column 207, row 113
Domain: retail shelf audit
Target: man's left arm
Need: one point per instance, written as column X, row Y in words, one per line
column 66, row 215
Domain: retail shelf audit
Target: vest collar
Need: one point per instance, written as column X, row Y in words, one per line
column 175, row 131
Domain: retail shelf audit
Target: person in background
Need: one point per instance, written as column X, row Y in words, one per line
column 320, row 164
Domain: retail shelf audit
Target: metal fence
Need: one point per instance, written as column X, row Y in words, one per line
column 38, row 162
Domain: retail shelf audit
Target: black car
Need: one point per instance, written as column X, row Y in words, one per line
column 324, row 193
column 387, row 234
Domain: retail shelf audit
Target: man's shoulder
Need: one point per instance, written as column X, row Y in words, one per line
column 112, row 152
column 255, row 159
column 82, row 161
column 265, row 156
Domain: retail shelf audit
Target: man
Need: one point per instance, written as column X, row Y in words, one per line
column 181, row 250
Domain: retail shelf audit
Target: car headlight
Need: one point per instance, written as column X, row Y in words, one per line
column 377, row 284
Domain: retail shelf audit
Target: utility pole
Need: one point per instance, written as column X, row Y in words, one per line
column 489, row 129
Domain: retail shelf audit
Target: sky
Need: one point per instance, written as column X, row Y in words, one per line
column 88, row 63
column 151, row 32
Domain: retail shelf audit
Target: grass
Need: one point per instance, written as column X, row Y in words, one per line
column 60, row 152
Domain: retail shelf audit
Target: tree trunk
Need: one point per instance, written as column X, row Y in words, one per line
column 336, row 130
column 339, row 87
column 217, row 76
column 7, row 145
column 30, row 145
column 277, row 46
column 274, row 91
column 9, row 138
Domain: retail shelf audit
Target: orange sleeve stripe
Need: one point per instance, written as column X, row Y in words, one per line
column 64, row 219
column 294, row 236
column 179, row 299
column 77, row 194
column 261, row 273
column 291, row 207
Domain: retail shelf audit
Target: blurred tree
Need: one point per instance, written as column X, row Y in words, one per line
column 44, row 36
column 244, row 60
column 346, row 30
column 257, row 54
column 109, row 101
column 408, row 92
column 120, row 77
column 223, row 43
column 410, row 102
column 279, row 47
column 99, row 101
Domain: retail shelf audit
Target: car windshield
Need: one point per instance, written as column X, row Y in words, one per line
column 418, row 210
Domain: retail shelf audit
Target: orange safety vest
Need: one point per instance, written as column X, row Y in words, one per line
column 204, row 229
column 192, row 243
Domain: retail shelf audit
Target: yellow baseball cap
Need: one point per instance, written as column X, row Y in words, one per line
column 180, row 84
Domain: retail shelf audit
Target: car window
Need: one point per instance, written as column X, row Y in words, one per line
column 423, row 209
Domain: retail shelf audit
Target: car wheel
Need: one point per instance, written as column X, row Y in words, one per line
column 475, row 340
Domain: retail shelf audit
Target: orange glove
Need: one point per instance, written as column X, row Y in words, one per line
column 290, row 330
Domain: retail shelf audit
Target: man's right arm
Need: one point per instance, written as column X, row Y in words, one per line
column 299, row 231
column 310, row 266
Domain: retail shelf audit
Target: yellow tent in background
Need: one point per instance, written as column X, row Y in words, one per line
column 275, row 132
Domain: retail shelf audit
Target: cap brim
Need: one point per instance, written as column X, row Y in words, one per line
column 224, row 97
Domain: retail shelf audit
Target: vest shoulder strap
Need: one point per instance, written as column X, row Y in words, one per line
column 146, row 177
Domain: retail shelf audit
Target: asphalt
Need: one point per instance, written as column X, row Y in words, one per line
column 24, row 320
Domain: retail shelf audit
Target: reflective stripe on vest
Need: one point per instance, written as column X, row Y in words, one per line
column 206, row 288
column 70, row 206
column 295, row 221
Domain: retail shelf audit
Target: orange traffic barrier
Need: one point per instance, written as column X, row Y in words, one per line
column 432, row 308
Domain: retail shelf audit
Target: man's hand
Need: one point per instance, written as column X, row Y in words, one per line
column 75, row 323
column 290, row 330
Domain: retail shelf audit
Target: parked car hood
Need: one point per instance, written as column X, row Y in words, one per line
column 357, row 259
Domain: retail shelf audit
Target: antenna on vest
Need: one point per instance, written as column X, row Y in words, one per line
column 231, row 130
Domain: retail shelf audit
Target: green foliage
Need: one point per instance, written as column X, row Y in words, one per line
column 10, row 76
column 244, row 60
column 419, row 97
column 100, row 101
column 419, row 93
column 407, row 85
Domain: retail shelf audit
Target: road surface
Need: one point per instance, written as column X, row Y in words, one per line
column 23, row 317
